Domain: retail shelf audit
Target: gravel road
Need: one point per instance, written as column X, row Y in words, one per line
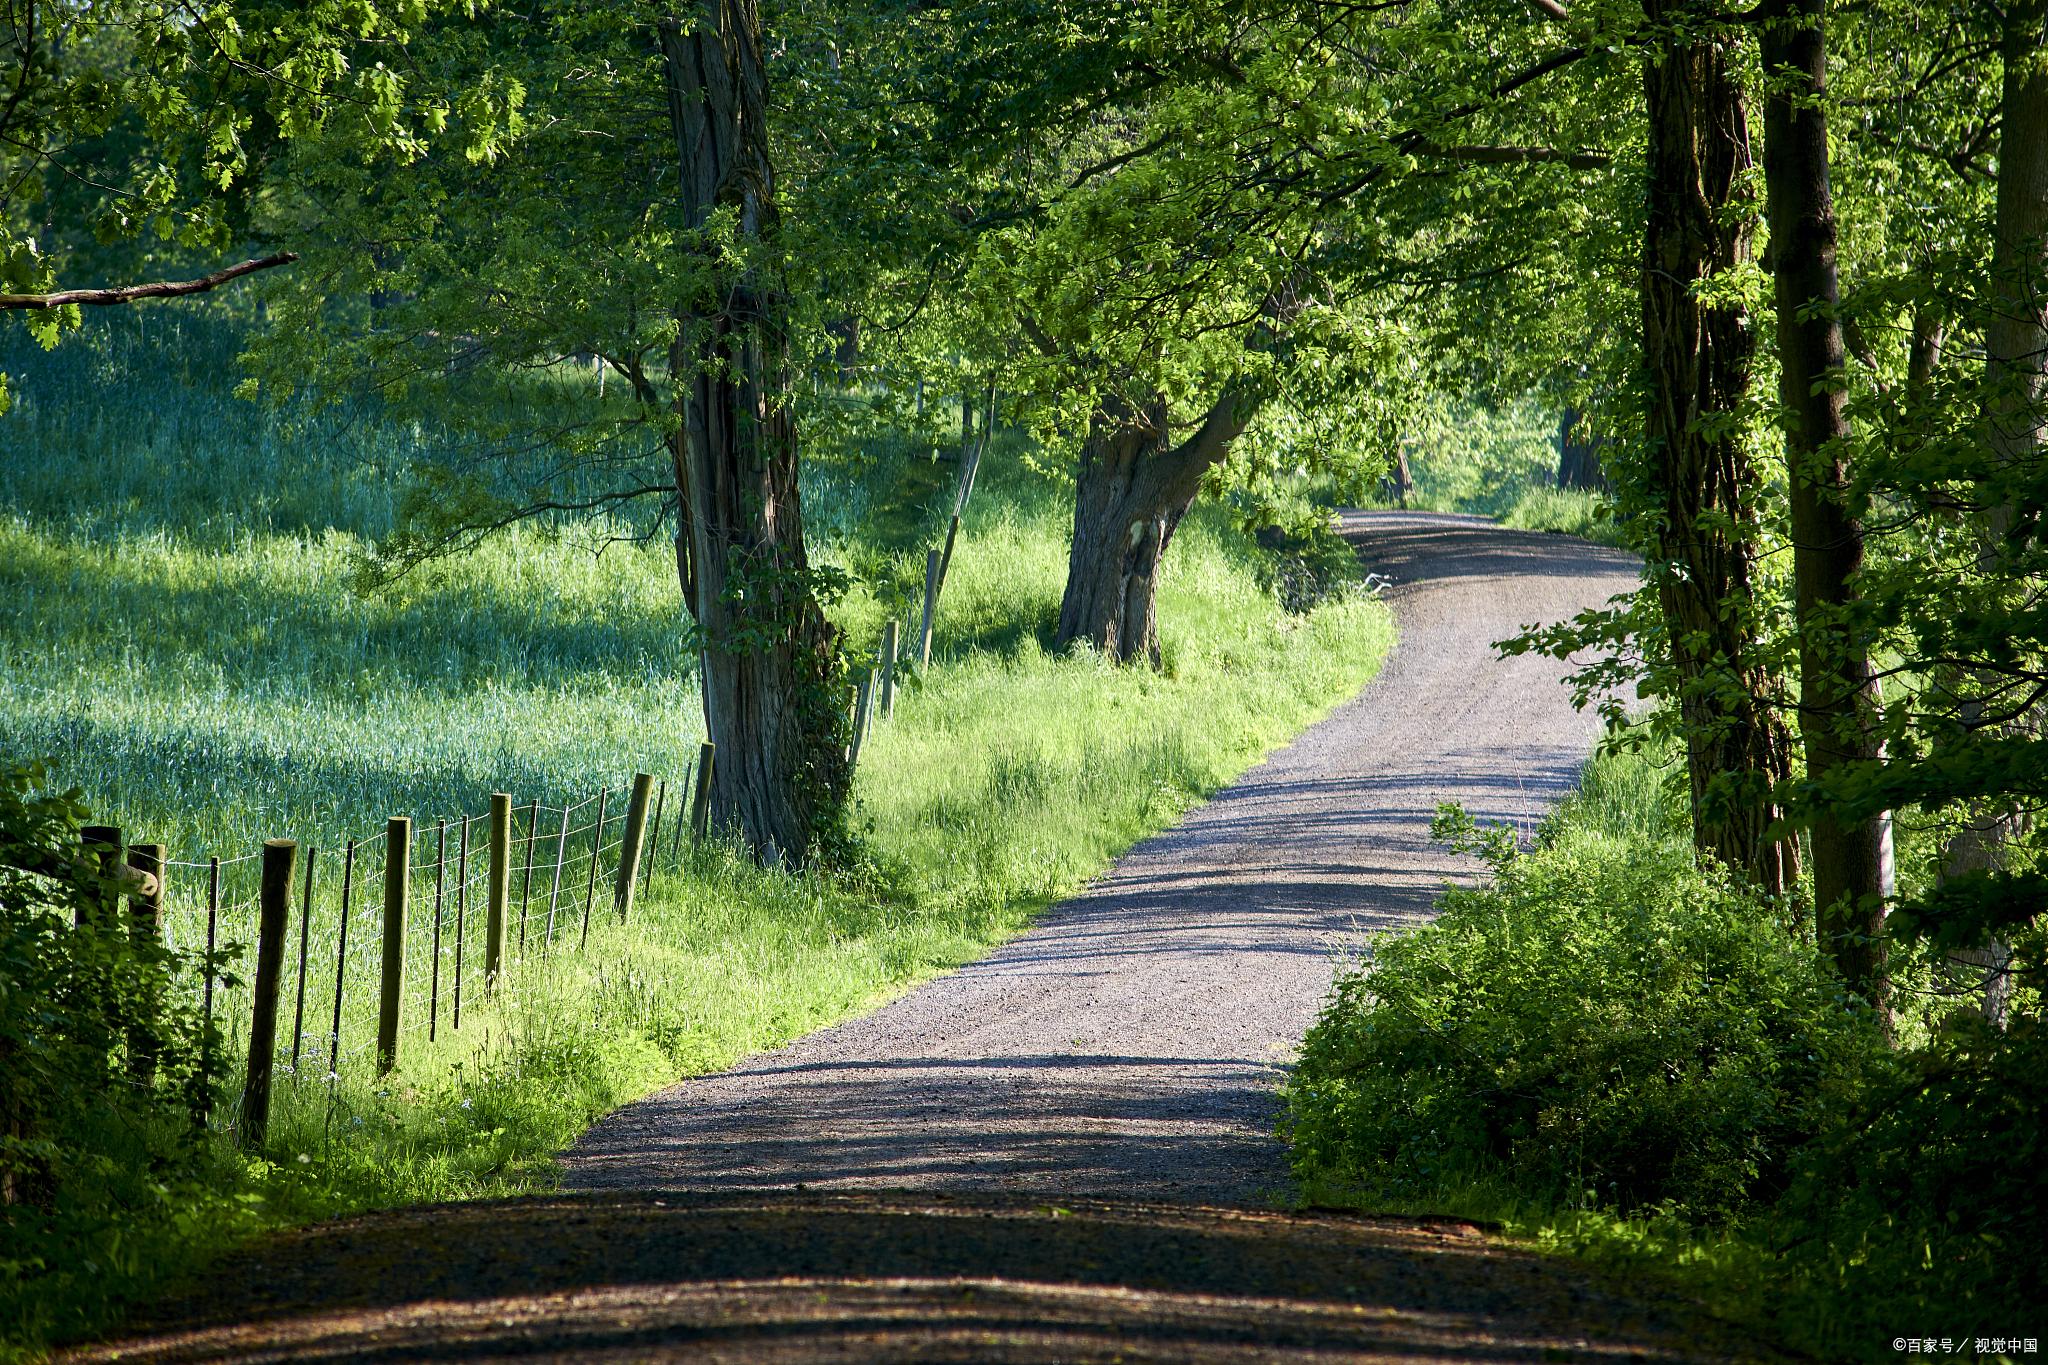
column 1076, row 1132
column 1129, row 1045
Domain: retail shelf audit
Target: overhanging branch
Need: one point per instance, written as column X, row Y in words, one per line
column 129, row 293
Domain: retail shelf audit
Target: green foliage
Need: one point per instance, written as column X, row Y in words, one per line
column 1924, row 1194
column 1602, row 1027
column 99, row 1067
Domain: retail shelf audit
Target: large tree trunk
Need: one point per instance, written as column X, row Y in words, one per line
column 771, row 666
column 1700, row 480
column 1852, row 858
column 1130, row 493
column 2016, row 388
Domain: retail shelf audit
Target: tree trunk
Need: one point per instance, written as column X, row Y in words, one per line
column 771, row 666
column 1130, row 493
column 1852, row 859
column 1578, row 459
column 2016, row 389
column 1701, row 482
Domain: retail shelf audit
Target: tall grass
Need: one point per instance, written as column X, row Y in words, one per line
column 178, row 631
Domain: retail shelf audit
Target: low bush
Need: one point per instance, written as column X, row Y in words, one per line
column 1603, row 1026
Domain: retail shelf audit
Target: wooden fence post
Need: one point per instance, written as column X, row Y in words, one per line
column 273, row 908
column 630, row 842
column 397, row 890
column 889, row 670
column 931, row 605
column 654, row 833
column 700, row 804
column 499, row 891
column 107, row 840
column 590, row 885
column 860, row 719
column 145, row 922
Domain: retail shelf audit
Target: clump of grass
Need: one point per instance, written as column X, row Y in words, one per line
column 179, row 630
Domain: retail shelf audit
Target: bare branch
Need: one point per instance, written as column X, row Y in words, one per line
column 129, row 293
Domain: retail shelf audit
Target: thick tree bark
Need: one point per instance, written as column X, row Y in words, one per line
column 1852, row 858
column 2016, row 389
column 770, row 657
column 1701, row 482
column 1578, row 457
column 1130, row 493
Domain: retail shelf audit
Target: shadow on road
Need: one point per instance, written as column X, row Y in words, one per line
column 896, row 1277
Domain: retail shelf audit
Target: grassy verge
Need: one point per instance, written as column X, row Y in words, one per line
column 178, row 631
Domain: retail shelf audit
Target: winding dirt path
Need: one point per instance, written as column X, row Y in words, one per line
column 1065, row 1151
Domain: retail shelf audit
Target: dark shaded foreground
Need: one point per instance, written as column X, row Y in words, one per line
column 781, row 1277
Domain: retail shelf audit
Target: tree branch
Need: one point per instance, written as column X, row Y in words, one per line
column 129, row 293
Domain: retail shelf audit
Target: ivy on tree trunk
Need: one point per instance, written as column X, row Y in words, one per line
column 771, row 661
column 1701, row 484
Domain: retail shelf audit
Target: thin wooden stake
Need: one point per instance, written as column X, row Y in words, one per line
column 654, row 835
column 397, row 892
column 630, row 841
column 305, row 930
column 931, row 605
column 860, row 720
column 107, row 839
column 700, row 803
column 348, row 886
column 434, row 962
column 274, row 906
column 461, row 911
column 590, row 887
column 526, row 885
column 145, row 924
column 555, row 889
column 889, row 671
column 203, row 1093
column 498, row 895
column 675, row 843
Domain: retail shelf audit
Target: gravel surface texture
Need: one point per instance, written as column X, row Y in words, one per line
column 1130, row 1043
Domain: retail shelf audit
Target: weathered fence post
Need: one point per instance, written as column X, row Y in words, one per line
column 654, row 831
column 305, row 929
column 889, row 671
column 700, row 803
column 555, row 887
column 860, row 720
column 106, row 839
column 397, row 890
column 590, row 885
column 526, row 883
column 273, row 908
column 145, row 922
column 931, row 605
column 499, row 892
column 630, row 841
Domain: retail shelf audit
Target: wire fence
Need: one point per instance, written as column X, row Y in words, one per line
column 322, row 963
column 328, row 963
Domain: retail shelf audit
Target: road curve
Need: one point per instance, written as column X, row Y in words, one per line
column 1129, row 1045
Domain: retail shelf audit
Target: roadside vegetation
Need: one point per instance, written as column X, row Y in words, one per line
column 1615, row 1054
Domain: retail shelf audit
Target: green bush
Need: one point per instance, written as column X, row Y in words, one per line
column 98, row 1074
column 1925, row 1196
column 1602, row 1027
